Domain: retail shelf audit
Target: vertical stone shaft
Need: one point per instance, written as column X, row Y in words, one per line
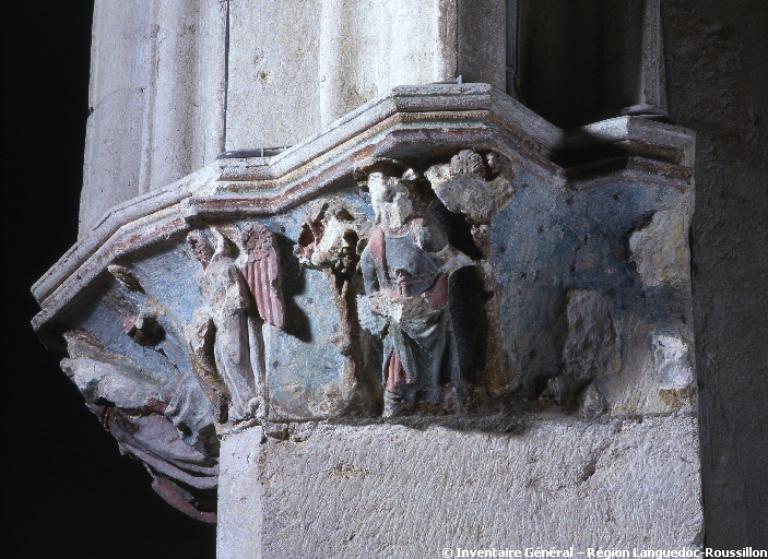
column 156, row 95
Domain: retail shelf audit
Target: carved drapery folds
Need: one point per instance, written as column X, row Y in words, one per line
column 162, row 423
column 407, row 267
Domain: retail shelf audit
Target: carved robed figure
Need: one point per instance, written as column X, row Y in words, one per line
column 406, row 269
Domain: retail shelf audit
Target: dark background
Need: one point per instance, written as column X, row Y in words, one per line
column 68, row 493
column 66, row 490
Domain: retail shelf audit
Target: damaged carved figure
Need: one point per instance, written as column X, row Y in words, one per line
column 406, row 269
column 240, row 287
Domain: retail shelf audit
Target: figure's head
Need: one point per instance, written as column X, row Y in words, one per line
column 207, row 244
column 200, row 246
column 391, row 200
column 390, row 183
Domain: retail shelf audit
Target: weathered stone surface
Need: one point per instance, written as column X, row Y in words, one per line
column 717, row 86
column 271, row 102
column 472, row 185
column 549, row 241
column 343, row 53
column 119, row 57
column 183, row 125
column 660, row 251
column 112, row 380
column 590, row 351
column 590, row 346
column 482, row 54
column 241, row 490
column 366, row 47
column 385, row 490
column 672, row 362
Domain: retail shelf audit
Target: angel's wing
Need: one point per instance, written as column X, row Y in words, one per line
column 262, row 273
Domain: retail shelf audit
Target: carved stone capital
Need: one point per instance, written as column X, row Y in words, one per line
column 441, row 251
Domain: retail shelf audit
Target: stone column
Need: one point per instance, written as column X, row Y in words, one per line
column 157, row 98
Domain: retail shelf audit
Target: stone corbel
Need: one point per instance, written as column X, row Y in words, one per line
column 441, row 251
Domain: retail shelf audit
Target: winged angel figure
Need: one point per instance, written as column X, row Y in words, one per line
column 241, row 291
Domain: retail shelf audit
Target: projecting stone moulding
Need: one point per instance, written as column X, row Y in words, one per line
column 441, row 251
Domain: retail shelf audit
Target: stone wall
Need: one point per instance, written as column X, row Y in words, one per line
column 718, row 79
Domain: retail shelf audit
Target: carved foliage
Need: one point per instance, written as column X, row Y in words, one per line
column 331, row 238
column 472, row 184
